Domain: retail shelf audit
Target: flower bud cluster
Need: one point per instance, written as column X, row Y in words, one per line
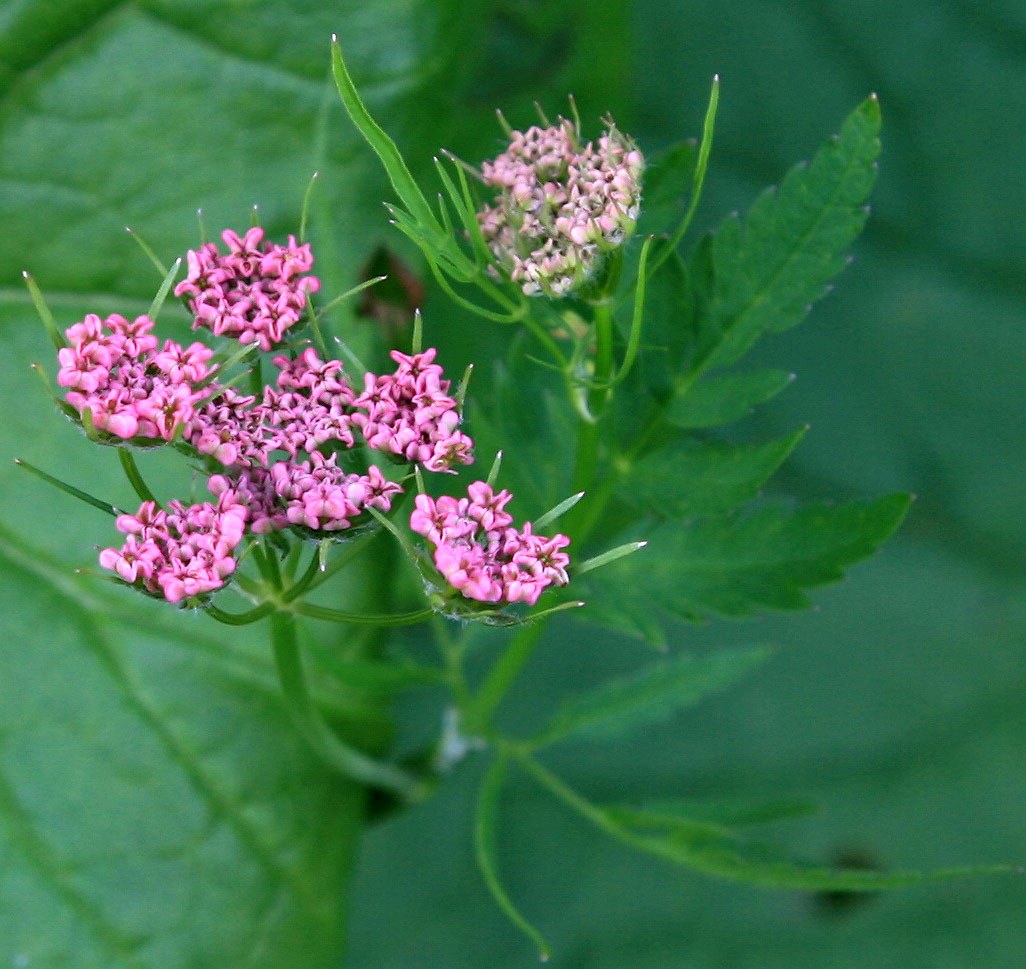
column 179, row 553
column 254, row 293
column 560, row 207
column 130, row 388
column 410, row 414
column 481, row 554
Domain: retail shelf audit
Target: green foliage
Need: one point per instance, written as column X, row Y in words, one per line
column 709, row 554
column 725, row 398
column 135, row 775
column 740, row 563
column 653, row 694
column 689, row 478
column 762, row 274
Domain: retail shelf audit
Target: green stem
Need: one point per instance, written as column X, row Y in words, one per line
column 135, row 479
column 347, row 760
column 569, row 796
column 502, row 676
column 603, row 356
column 302, row 584
column 241, row 618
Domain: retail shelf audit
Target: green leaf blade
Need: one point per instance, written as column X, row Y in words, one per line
column 654, row 694
column 690, row 478
column 740, row 564
column 130, row 760
column 770, row 269
column 725, row 398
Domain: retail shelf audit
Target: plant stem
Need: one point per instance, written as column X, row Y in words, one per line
column 502, row 676
column 347, row 760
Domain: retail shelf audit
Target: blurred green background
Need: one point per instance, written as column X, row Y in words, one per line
column 898, row 703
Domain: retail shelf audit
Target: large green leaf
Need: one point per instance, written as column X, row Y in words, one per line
column 156, row 806
column 155, row 809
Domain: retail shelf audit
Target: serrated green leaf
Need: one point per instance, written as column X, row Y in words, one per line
column 652, row 695
column 725, row 398
column 691, row 478
column 707, row 849
column 770, row 268
column 742, row 563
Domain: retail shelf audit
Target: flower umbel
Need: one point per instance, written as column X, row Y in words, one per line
column 130, row 389
column 561, row 207
column 180, row 553
column 481, row 554
column 254, row 293
column 410, row 414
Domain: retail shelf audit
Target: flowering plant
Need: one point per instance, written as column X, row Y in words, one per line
column 617, row 355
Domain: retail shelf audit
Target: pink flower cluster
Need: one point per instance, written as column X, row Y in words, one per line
column 180, row 553
column 319, row 495
column 410, row 414
column 130, row 388
column 481, row 554
column 253, row 293
column 275, row 473
column 561, row 207
column 312, row 404
column 314, row 494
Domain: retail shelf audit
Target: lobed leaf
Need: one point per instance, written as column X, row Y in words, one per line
column 763, row 274
column 725, row 398
column 741, row 563
column 654, row 694
column 692, row 478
